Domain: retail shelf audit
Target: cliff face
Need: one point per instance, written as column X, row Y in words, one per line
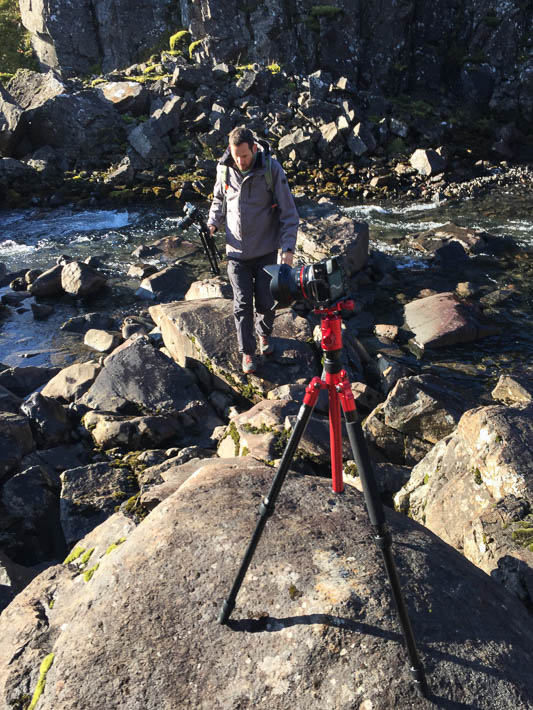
column 477, row 50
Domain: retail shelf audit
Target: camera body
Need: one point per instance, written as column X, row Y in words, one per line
column 321, row 284
column 191, row 215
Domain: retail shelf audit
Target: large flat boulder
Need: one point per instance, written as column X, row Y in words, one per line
column 201, row 334
column 443, row 319
column 333, row 235
column 314, row 625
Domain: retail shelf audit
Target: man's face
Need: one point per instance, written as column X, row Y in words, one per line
column 243, row 155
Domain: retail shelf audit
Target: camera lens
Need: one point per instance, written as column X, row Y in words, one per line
column 285, row 286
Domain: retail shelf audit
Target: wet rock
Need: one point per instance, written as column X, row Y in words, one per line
column 169, row 284
column 89, row 495
column 443, row 319
column 72, row 382
column 41, row 311
column 81, row 280
column 9, row 402
column 48, row 283
column 306, row 571
column 81, row 324
column 48, row 419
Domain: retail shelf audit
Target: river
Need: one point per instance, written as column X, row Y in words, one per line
column 35, row 238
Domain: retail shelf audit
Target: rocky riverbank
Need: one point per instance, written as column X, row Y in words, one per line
column 100, row 454
column 155, row 130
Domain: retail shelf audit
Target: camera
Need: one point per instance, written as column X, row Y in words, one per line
column 191, row 215
column 321, row 284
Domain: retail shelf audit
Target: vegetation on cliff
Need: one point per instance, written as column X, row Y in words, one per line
column 15, row 49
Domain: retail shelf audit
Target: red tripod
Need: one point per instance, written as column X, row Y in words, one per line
column 340, row 394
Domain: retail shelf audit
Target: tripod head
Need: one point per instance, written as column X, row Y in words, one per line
column 331, row 322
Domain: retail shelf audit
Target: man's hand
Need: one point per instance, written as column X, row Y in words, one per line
column 212, row 229
column 286, row 258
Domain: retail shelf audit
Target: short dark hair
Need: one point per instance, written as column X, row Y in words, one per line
column 241, row 135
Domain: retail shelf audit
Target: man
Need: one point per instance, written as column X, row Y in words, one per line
column 252, row 195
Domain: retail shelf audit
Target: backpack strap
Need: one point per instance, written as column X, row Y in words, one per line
column 269, row 180
column 225, row 182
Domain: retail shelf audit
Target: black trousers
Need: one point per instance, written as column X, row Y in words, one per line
column 253, row 305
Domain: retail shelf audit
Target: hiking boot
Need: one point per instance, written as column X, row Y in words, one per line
column 265, row 345
column 248, row 364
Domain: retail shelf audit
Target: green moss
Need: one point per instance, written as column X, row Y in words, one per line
column 328, row 11
column 88, row 575
column 350, row 469
column 114, row 545
column 274, row 68
column 194, row 46
column 245, row 451
column 232, row 431
column 263, row 429
column 45, row 667
column 179, row 40
column 477, row 477
column 74, row 554
column 15, row 47
column 86, row 556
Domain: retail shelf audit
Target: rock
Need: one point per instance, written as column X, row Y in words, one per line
column 321, row 568
column 10, row 123
column 9, row 402
column 390, row 477
column 132, row 433
column 48, row 419
column 31, row 89
column 209, row 288
column 126, row 96
column 386, row 331
column 188, row 77
column 201, row 334
column 101, row 340
column 142, row 379
column 424, row 406
column 81, row 125
column 22, row 381
column 41, row 311
column 30, row 517
column 464, row 488
column 443, row 319
column 511, row 391
column 81, row 324
column 48, row 283
column 13, row 579
column 122, row 174
column 16, row 441
column 74, row 41
column 331, row 144
column 169, row 284
column 72, row 382
column 58, row 458
column 81, row 280
column 321, row 238
column 89, row 495
column 300, row 141
column 473, row 241
column 360, row 140
column 427, row 162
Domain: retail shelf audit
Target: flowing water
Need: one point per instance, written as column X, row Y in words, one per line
column 35, row 238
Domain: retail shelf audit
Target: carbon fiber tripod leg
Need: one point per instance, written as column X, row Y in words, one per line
column 383, row 540
column 267, row 506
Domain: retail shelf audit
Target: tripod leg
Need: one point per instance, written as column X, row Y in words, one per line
column 383, row 540
column 267, row 506
column 335, row 437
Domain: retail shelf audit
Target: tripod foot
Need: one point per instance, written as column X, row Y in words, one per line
column 225, row 613
column 420, row 681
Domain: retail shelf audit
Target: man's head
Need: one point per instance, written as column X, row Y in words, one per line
column 242, row 147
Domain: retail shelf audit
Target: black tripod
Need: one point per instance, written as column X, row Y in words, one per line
column 340, row 393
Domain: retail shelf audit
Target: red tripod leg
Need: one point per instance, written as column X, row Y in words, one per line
column 335, row 434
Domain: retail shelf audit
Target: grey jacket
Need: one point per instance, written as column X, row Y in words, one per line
column 253, row 227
